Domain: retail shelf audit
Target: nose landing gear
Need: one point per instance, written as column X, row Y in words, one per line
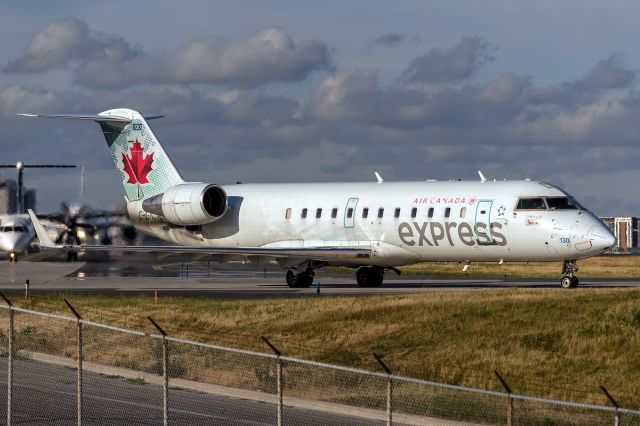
column 569, row 280
column 13, row 257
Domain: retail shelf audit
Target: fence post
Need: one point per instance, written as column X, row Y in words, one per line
column 389, row 388
column 279, row 377
column 165, row 373
column 616, row 419
column 10, row 357
column 509, row 392
column 79, row 367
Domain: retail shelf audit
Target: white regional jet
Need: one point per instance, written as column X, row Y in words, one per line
column 16, row 233
column 370, row 226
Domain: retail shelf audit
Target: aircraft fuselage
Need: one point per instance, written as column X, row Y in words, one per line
column 402, row 222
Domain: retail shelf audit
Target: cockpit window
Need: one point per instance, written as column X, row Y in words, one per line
column 531, row 203
column 562, row 203
column 12, row 229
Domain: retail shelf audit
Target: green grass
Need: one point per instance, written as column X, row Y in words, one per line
column 550, row 343
column 620, row 266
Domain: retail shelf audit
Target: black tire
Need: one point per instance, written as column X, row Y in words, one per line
column 376, row 276
column 292, row 281
column 569, row 282
column 362, row 276
column 305, row 279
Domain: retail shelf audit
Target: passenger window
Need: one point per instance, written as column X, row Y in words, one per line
column 463, row 212
column 447, row 212
column 414, row 212
column 365, row 212
column 334, row 213
column 380, row 212
column 397, row 213
column 318, row 213
column 561, row 203
column 304, row 214
column 350, row 212
column 430, row 214
column 288, row 213
column 531, row 204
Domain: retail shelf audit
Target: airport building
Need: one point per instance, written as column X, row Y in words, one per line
column 29, row 198
column 9, row 197
column 626, row 231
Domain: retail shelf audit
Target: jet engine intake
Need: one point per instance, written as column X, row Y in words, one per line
column 189, row 204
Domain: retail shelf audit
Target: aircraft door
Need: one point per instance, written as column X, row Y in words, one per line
column 350, row 213
column 482, row 226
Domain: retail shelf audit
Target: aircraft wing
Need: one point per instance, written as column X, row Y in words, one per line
column 316, row 253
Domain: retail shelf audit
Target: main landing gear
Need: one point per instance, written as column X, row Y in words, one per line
column 569, row 280
column 72, row 256
column 303, row 279
column 370, row 276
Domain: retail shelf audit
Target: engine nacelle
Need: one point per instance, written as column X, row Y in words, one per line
column 189, row 204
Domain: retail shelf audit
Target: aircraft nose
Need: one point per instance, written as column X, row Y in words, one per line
column 8, row 243
column 601, row 237
column 4, row 244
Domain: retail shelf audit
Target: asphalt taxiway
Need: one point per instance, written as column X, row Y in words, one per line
column 142, row 274
column 44, row 394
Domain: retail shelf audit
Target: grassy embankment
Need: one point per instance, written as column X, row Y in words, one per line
column 551, row 343
column 621, row 266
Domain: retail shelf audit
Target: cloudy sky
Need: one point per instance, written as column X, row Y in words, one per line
column 284, row 91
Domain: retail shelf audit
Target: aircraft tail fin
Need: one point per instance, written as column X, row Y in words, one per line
column 143, row 166
column 45, row 241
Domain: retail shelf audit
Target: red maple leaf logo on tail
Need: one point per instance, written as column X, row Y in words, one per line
column 137, row 166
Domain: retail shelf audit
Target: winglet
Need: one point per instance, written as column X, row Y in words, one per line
column 379, row 177
column 482, row 178
column 45, row 241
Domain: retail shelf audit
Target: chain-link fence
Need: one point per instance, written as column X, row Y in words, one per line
column 67, row 370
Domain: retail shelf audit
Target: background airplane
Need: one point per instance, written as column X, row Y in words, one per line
column 75, row 223
column 370, row 226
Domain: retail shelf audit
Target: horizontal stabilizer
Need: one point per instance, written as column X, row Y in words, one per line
column 91, row 117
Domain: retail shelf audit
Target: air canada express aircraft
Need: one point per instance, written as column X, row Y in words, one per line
column 373, row 226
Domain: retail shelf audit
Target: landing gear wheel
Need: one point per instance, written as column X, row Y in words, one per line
column 301, row 280
column 362, row 276
column 291, row 279
column 569, row 282
column 305, row 279
column 370, row 277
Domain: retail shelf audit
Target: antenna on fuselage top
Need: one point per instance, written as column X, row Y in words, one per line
column 482, row 178
column 378, row 177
